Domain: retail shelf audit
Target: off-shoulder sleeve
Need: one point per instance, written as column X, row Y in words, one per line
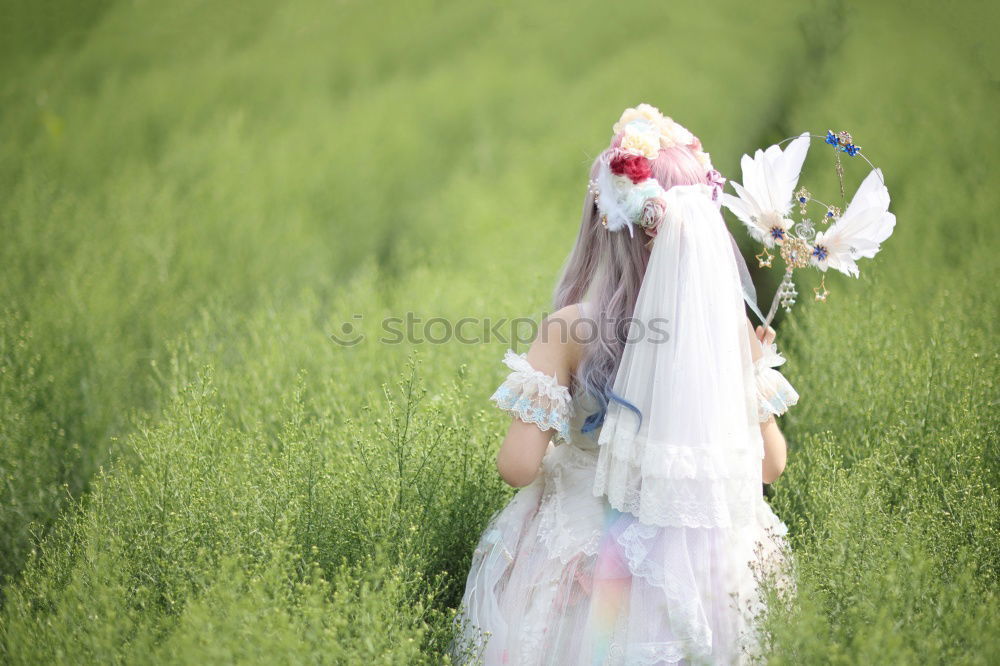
column 533, row 396
column 774, row 394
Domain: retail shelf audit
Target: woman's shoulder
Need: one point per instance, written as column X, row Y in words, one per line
column 567, row 314
column 559, row 343
column 570, row 325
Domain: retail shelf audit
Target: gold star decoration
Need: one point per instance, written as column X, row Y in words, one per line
column 764, row 258
column 821, row 291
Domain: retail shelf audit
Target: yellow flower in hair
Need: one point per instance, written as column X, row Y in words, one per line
column 641, row 138
column 643, row 111
column 674, row 134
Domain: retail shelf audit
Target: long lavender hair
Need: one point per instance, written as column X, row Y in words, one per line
column 607, row 267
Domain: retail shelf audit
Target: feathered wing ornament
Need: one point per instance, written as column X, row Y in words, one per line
column 859, row 233
column 688, row 469
column 765, row 197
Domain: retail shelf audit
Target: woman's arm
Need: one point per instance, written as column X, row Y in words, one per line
column 553, row 352
column 775, row 450
column 775, row 447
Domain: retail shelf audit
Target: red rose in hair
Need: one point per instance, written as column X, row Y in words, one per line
column 636, row 167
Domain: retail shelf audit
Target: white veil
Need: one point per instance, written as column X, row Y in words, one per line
column 689, row 468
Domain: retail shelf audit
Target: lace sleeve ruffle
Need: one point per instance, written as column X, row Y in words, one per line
column 774, row 394
column 534, row 397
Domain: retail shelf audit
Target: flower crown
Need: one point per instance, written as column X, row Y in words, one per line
column 625, row 191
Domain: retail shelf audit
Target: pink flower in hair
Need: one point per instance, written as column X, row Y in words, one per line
column 653, row 212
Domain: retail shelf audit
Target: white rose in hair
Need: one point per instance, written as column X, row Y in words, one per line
column 639, row 196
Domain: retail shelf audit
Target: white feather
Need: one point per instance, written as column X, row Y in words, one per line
column 612, row 199
column 859, row 233
column 789, row 166
column 769, row 179
column 746, row 209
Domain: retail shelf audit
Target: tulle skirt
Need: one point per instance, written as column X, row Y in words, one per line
column 561, row 577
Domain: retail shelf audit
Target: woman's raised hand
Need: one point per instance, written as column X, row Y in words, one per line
column 766, row 337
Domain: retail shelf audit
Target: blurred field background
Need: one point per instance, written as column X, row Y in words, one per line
column 195, row 196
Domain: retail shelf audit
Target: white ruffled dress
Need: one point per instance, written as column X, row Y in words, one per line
column 561, row 577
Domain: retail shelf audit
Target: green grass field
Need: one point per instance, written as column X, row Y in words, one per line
column 195, row 196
